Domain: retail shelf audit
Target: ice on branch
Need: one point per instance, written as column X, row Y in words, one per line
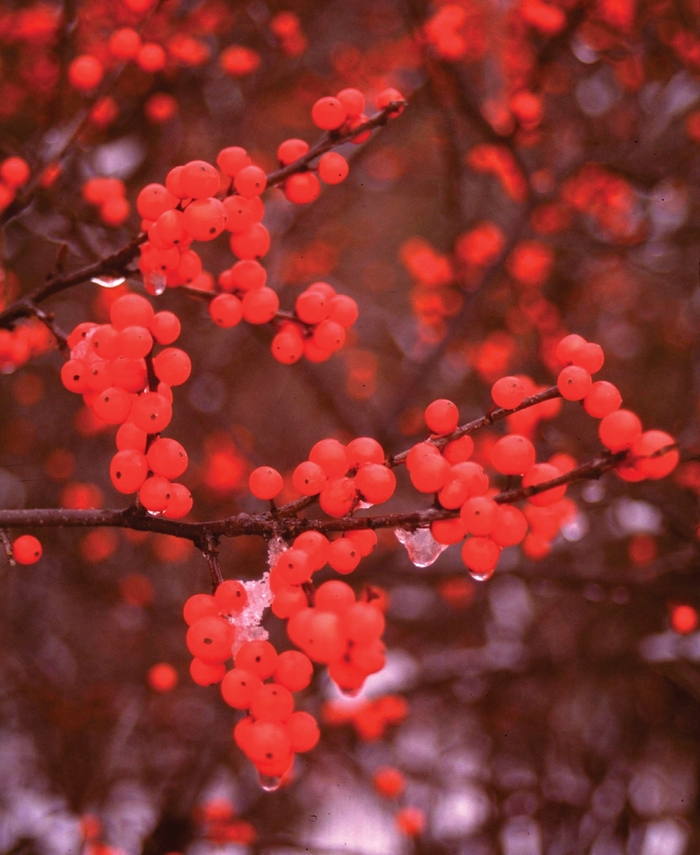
column 108, row 281
column 423, row 550
column 248, row 622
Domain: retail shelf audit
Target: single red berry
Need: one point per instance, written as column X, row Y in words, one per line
column 265, row 482
column 442, row 416
column 26, row 549
column 508, row 392
column 328, row 113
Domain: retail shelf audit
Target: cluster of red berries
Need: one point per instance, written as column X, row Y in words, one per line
column 273, row 731
column 338, row 630
column 185, row 209
column 219, row 823
column 25, row 341
column 108, row 195
column 342, row 477
column 651, row 454
column 340, row 115
column 109, row 366
column 369, row 717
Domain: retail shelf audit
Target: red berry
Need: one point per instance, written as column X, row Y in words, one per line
column 508, row 392
column 302, row 188
column 291, row 150
column 250, row 181
column 265, row 482
column 239, row 687
column 602, row 399
column 647, row 459
column 198, row 180
column 303, row 731
column 567, row 347
column 538, row 474
column 231, row 597
column 26, row 549
column 328, row 113
column 210, row 639
column 442, row 416
column 128, row 470
column 619, row 429
column 258, row 657
column 513, row 455
column 574, row 383
column 308, row 478
column 480, row 555
column 85, row 73
column 293, row 670
column 333, row 168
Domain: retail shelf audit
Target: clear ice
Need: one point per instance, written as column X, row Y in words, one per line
column 155, row 283
column 423, row 550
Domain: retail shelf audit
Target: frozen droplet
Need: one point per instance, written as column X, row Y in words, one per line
column 423, row 550
column 109, row 281
column 155, row 283
column 268, row 783
column 481, row 577
column 275, row 547
column 364, row 505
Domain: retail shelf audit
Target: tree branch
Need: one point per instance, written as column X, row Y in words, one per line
column 268, row 524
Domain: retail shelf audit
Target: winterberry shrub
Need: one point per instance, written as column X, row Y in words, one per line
column 350, row 439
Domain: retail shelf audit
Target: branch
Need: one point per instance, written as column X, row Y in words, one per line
column 116, row 263
column 205, row 534
column 495, row 415
column 331, row 140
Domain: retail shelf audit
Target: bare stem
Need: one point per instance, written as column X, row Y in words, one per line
column 282, row 522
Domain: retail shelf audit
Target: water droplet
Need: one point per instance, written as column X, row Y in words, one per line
column 481, row 577
column 155, row 283
column 269, row 784
column 423, row 550
column 109, row 281
column 364, row 505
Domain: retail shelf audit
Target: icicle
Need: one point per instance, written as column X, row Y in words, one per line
column 423, row 550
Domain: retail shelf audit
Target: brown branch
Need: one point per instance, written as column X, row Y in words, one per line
column 210, row 550
column 116, row 263
column 268, row 524
column 495, row 415
column 331, row 140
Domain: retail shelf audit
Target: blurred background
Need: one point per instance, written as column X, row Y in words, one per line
column 542, row 180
